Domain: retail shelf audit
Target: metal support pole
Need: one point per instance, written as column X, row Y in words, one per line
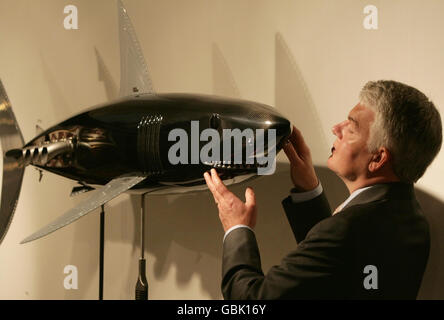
column 102, row 251
column 142, row 283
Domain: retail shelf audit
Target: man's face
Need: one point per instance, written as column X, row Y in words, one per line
column 350, row 156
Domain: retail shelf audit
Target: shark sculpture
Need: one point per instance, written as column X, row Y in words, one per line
column 128, row 144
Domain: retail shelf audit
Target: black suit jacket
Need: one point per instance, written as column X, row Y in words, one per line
column 382, row 227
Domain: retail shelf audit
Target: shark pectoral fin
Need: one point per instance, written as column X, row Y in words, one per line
column 102, row 196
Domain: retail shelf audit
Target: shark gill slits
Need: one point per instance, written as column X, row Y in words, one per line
column 148, row 148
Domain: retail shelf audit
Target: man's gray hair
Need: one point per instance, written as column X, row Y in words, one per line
column 406, row 123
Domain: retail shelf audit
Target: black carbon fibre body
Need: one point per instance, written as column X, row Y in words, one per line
column 131, row 135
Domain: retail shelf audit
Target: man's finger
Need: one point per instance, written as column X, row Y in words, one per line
column 298, row 142
column 250, row 197
column 209, row 181
column 211, row 186
column 219, row 185
column 292, row 154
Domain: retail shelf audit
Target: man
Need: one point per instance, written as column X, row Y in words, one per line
column 376, row 244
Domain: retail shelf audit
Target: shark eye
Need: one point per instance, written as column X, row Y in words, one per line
column 215, row 121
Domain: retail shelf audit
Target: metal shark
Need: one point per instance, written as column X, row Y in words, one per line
column 123, row 145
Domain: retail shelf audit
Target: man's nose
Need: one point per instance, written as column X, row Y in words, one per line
column 337, row 129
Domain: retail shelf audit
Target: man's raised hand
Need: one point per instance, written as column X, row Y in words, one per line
column 232, row 211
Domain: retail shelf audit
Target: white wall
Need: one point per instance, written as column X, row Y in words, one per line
column 307, row 58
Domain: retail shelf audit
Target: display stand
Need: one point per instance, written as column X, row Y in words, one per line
column 142, row 283
column 102, row 251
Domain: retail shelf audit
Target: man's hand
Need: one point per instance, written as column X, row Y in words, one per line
column 302, row 171
column 232, row 211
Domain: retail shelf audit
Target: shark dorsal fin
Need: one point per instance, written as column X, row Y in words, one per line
column 134, row 75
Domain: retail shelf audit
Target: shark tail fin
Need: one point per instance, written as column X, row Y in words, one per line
column 10, row 138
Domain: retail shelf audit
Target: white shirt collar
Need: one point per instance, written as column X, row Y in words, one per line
column 350, row 198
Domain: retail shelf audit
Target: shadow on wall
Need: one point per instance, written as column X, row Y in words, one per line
column 61, row 107
column 111, row 90
column 223, row 80
column 294, row 101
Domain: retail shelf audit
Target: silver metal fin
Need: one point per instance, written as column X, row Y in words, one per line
column 102, row 196
column 134, row 75
column 11, row 138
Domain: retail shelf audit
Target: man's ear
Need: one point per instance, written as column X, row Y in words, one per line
column 379, row 159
